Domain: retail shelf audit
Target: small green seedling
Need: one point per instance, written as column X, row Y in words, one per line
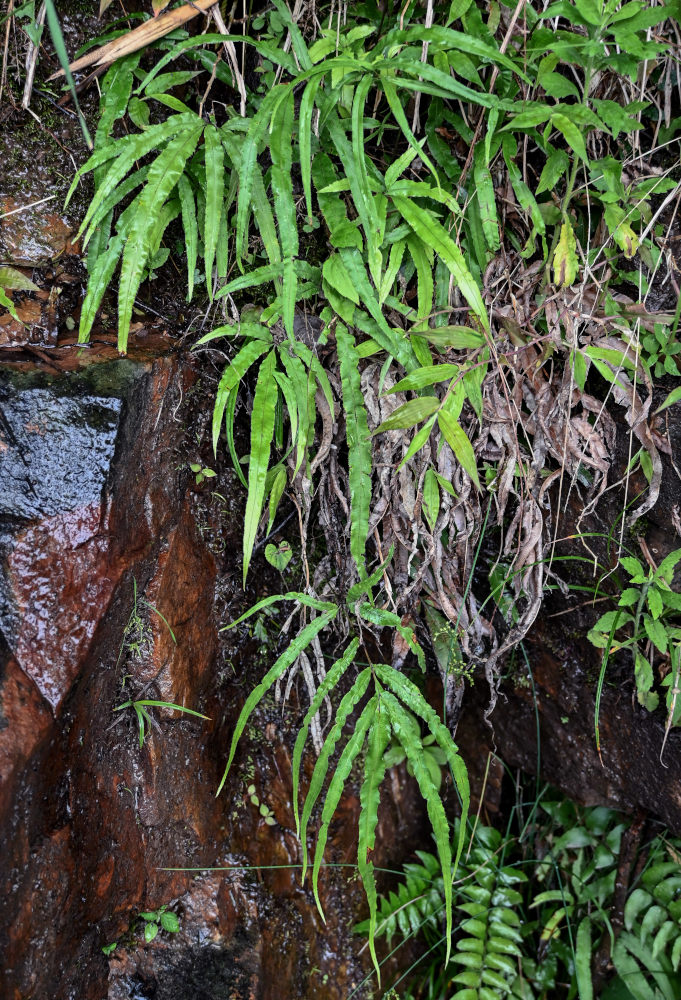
column 279, row 556
column 264, row 810
column 145, row 721
column 156, row 920
column 201, row 473
column 108, row 949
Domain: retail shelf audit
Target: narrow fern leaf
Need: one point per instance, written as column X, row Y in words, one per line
column 392, row 341
column 287, row 392
column 423, row 261
column 215, row 188
column 359, row 446
column 370, row 797
column 258, row 276
column 386, row 619
column 163, row 175
column 305, row 140
column 230, row 410
column 337, row 784
column 231, row 377
column 297, row 40
column 99, row 281
column 191, row 230
column 346, row 707
column 281, row 130
column 300, row 385
column 362, row 188
column 280, row 666
column 125, row 152
column 406, row 731
column 583, row 960
column 291, row 595
column 311, row 361
column 332, row 678
column 248, row 169
column 116, row 90
column 358, row 590
column 262, row 432
column 433, row 234
column 407, row 691
column 264, row 219
column 484, row 192
column 417, row 148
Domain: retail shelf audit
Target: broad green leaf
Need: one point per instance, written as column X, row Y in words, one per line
column 410, row 413
column 583, row 959
column 280, row 666
column 556, row 166
column 262, row 431
column 565, row 263
column 359, row 446
column 13, row 280
column 461, row 338
column 431, row 498
column 335, row 273
column 305, row 140
column 457, row 440
column 418, row 441
column 572, row 134
column 422, row 377
column 278, row 556
column 332, row 678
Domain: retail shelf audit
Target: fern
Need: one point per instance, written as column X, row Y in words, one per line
column 385, row 712
column 647, row 954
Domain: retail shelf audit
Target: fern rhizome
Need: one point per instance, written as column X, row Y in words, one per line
column 411, row 387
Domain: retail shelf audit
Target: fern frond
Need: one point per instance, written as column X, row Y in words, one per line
column 337, row 785
column 359, row 446
column 345, row 709
column 369, row 798
column 262, row 428
column 332, row 678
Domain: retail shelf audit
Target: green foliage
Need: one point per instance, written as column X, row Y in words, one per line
column 155, row 920
column 144, row 719
column 646, row 625
column 533, row 931
column 647, row 955
column 395, row 708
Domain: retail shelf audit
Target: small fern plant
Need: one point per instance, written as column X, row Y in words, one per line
column 390, row 706
column 647, row 954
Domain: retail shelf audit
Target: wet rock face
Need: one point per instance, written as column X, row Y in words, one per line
column 111, row 561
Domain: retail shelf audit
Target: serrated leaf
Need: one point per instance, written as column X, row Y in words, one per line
column 359, row 446
column 332, row 678
column 346, row 707
column 262, row 431
column 484, row 192
column 406, row 732
column 433, row 234
column 369, row 797
column 281, row 130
